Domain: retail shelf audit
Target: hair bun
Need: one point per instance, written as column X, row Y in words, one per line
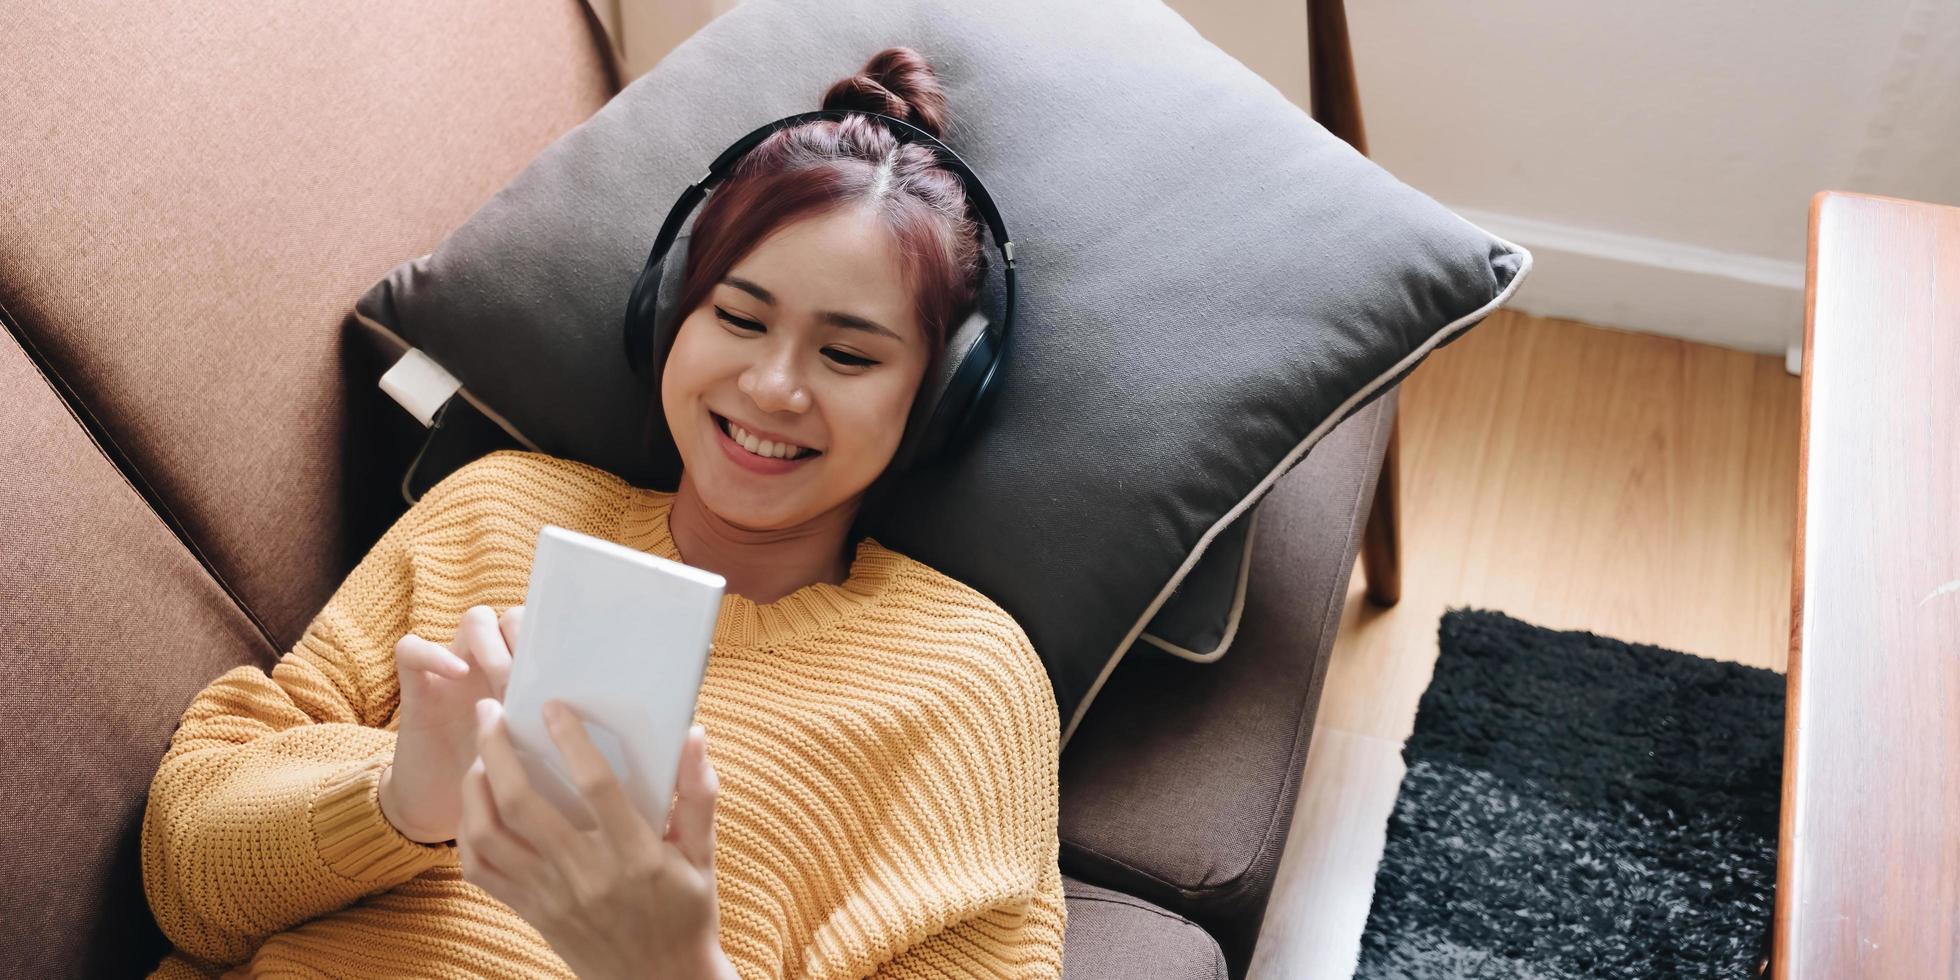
column 897, row 82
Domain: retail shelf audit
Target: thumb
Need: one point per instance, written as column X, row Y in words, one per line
column 691, row 825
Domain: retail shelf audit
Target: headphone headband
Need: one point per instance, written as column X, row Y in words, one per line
column 975, row 190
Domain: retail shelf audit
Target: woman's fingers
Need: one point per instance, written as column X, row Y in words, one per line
column 423, row 667
column 488, row 877
column 490, row 855
column 523, row 810
column 509, row 623
column 480, row 638
column 691, row 825
column 618, row 819
column 415, row 653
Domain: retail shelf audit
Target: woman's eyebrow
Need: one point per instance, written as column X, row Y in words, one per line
column 849, row 321
column 751, row 288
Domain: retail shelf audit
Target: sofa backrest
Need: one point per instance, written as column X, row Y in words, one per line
column 191, row 199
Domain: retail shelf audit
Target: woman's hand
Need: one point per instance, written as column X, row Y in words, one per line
column 422, row 791
column 621, row 900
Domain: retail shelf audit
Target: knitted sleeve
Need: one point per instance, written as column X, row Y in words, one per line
column 265, row 811
column 1020, row 938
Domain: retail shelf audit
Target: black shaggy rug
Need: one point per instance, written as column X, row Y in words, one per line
column 1576, row 806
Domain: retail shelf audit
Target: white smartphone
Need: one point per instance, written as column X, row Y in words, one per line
column 622, row 636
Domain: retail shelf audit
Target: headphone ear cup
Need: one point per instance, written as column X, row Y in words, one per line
column 665, row 315
column 940, row 410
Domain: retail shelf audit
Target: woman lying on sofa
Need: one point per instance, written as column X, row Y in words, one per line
column 871, row 783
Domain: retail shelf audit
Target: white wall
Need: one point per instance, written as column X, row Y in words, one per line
column 1658, row 157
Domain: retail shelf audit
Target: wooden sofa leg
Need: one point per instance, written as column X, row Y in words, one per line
column 1381, row 540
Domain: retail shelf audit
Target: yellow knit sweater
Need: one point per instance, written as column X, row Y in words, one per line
column 887, row 750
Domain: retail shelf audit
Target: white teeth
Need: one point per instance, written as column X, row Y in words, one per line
column 762, row 447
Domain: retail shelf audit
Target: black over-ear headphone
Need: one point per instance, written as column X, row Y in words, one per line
column 948, row 401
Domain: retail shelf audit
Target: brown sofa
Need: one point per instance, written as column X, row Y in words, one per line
column 193, row 452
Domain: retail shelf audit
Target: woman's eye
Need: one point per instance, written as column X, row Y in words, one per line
column 736, row 321
column 847, row 360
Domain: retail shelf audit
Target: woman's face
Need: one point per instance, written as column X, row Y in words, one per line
column 811, row 338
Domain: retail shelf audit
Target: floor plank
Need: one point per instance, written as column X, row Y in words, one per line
column 1326, row 878
column 1573, row 476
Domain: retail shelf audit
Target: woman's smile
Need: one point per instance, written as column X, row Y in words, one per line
column 740, row 456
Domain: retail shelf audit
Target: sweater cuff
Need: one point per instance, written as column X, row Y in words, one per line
column 356, row 840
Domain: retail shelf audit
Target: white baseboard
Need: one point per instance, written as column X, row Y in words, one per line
column 1729, row 299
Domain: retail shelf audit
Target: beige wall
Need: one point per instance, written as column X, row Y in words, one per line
column 1268, row 35
column 645, row 30
column 1657, row 158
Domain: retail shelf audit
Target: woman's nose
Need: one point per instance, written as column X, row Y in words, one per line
column 775, row 384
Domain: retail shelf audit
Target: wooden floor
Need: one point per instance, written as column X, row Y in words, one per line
column 1571, row 476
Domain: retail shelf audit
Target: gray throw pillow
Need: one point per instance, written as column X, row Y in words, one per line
column 1209, row 283
column 1201, row 617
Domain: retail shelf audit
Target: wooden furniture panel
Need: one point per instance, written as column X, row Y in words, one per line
column 1869, row 868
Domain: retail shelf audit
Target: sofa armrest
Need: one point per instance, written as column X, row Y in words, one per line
column 1180, row 785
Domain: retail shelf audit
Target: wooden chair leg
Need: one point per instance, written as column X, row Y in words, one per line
column 1381, row 540
column 1336, row 104
column 1335, row 97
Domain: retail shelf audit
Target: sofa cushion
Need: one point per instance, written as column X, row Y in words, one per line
column 1180, row 786
column 1209, row 280
column 194, row 198
column 108, row 628
column 1113, row 936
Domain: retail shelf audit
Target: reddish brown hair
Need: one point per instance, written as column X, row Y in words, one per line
column 811, row 169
